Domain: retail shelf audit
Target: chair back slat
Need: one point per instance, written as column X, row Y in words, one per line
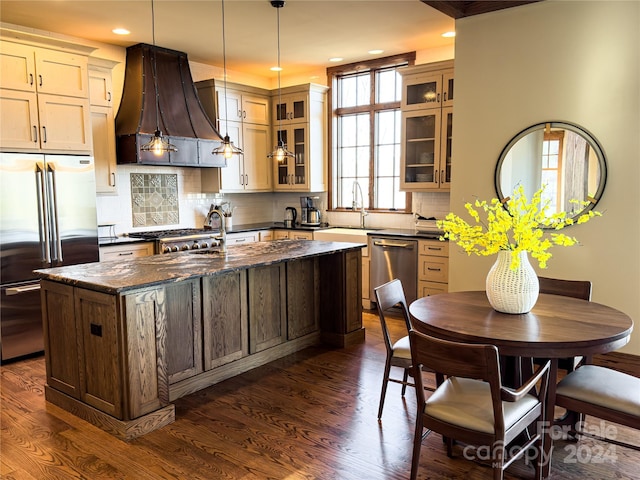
column 568, row 288
column 389, row 295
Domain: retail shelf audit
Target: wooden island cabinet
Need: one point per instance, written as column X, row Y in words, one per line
column 124, row 340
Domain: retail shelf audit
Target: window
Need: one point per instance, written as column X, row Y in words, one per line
column 551, row 177
column 365, row 132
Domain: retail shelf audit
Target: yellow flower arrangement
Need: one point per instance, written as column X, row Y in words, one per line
column 517, row 225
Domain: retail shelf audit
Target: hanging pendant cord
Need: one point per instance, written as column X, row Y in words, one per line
column 279, row 89
column 224, row 68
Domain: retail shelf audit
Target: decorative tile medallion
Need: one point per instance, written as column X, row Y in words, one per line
column 154, row 199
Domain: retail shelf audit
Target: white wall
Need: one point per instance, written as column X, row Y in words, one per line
column 575, row 61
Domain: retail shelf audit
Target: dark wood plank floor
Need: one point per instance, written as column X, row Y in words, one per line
column 311, row 415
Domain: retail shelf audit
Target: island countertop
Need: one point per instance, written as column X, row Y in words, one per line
column 118, row 276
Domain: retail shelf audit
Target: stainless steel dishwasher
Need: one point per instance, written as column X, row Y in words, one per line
column 394, row 257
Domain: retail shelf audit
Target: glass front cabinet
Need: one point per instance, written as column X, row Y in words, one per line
column 427, row 120
column 299, row 120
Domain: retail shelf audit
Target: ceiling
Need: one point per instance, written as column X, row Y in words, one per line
column 311, row 31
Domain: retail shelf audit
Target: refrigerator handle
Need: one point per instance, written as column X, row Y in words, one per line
column 45, row 248
column 53, row 206
column 23, row 289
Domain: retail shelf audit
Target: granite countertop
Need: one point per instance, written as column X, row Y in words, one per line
column 110, row 241
column 117, row 276
column 406, row 232
column 249, row 227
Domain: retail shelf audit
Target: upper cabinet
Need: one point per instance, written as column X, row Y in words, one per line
column 427, row 127
column 44, row 100
column 103, row 124
column 243, row 114
column 299, row 120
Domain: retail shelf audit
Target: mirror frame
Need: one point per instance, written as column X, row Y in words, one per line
column 597, row 148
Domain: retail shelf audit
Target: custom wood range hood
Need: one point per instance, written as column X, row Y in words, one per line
column 180, row 116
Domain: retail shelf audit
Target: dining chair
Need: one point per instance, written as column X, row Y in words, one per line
column 472, row 405
column 388, row 296
column 603, row 393
column 568, row 288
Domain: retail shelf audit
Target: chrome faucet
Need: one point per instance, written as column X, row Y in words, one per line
column 354, row 204
column 222, row 236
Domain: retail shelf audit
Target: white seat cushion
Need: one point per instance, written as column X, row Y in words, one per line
column 604, row 387
column 401, row 348
column 467, row 403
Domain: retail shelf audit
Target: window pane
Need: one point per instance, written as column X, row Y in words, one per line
column 363, row 161
column 364, row 89
column 347, row 89
column 386, row 161
column 348, row 162
column 388, row 86
column 384, row 198
column 387, row 122
column 363, row 130
column 348, row 131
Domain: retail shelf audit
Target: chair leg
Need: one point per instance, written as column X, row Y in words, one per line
column 417, row 445
column 405, row 379
column 497, row 459
column 385, row 381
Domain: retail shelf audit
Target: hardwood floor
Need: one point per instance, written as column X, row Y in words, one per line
column 311, row 415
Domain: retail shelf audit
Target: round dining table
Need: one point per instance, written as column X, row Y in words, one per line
column 557, row 327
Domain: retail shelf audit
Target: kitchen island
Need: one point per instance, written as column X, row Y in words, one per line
column 125, row 339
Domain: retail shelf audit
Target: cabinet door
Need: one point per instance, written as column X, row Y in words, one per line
column 65, row 123
column 100, row 360
column 232, row 176
column 224, row 317
column 422, row 91
column 292, row 173
column 267, row 307
column 255, row 109
column 17, row 67
column 281, row 234
column 295, row 235
column 447, row 88
column 303, row 306
column 123, row 252
column 229, row 106
column 60, row 333
column 104, row 148
column 19, row 120
column 445, row 148
column 100, row 88
column 60, row 73
column 184, row 330
column 290, row 108
column 257, row 167
column 242, row 238
column 420, row 150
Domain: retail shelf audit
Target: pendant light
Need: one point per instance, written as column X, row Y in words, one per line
column 158, row 145
column 226, row 148
column 280, row 153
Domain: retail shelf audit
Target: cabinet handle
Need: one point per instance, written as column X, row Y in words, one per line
column 44, row 134
column 436, row 176
column 125, row 254
column 246, row 177
column 437, row 249
column 438, row 98
column 442, row 176
column 109, row 97
column 113, row 179
column 31, row 79
column 35, row 134
column 40, row 78
column 244, row 114
column 444, row 96
column 433, row 269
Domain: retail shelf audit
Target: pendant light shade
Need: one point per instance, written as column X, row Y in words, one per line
column 280, row 154
column 226, row 148
column 158, row 145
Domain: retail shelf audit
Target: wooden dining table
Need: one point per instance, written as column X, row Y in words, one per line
column 557, row 327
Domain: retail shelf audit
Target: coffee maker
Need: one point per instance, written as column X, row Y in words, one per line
column 310, row 212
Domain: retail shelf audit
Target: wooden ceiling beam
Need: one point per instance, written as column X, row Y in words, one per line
column 460, row 8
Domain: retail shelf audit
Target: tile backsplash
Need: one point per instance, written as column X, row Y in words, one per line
column 154, row 199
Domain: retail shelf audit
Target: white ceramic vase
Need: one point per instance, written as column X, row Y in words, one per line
column 512, row 291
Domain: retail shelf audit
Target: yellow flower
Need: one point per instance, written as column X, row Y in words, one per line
column 517, row 225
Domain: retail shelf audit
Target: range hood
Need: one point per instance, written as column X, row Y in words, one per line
column 181, row 117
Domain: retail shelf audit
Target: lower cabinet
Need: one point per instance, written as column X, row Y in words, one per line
column 267, row 304
column 433, row 267
column 120, row 252
column 224, row 318
column 303, row 298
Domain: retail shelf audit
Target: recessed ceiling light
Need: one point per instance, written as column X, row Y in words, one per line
column 121, row 31
column 276, row 69
column 336, row 59
column 449, row 34
column 375, row 52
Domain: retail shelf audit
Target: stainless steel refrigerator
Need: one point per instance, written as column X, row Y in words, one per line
column 47, row 219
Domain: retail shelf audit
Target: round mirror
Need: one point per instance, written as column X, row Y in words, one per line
column 564, row 158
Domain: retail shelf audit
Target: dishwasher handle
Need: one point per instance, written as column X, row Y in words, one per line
column 391, row 243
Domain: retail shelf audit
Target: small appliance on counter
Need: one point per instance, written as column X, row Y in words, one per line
column 427, row 225
column 290, row 217
column 310, row 212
